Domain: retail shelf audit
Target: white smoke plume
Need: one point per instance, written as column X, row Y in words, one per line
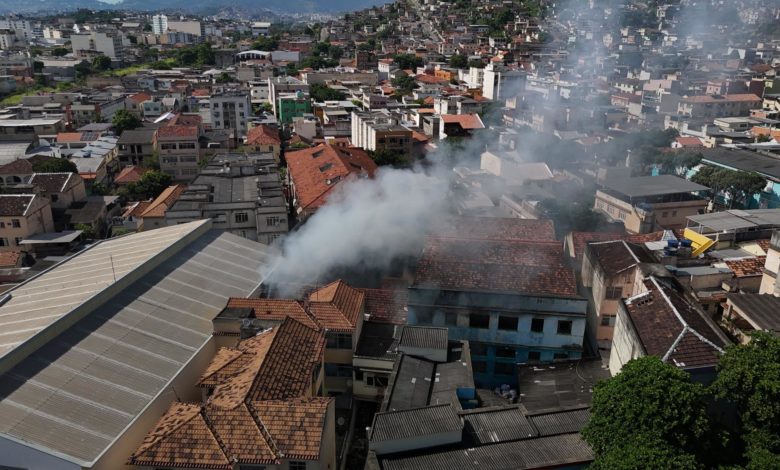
column 367, row 223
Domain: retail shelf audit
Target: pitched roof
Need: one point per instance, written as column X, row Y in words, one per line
column 316, row 171
column 762, row 311
column 130, row 174
column 164, row 201
column 739, row 97
column 296, row 426
column 262, row 135
column 15, row 204
column 139, row 98
column 669, row 327
column 386, row 305
column 747, row 267
column 51, row 182
column 466, row 121
column 68, row 137
column 493, row 228
column 617, row 256
column 19, row 166
column 175, row 131
column 337, row 306
column 497, row 266
column 9, row 258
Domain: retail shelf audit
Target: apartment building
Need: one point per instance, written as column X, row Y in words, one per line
column 380, row 131
column 503, row 285
column 178, row 146
column 650, row 203
column 231, row 110
column 500, row 82
column 159, row 24
column 713, row 106
column 21, row 216
column 106, row 43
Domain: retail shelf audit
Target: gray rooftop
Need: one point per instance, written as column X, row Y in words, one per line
column 762, row 311
column 416, row 422
column 737, row 220
column 744, row 160
column 423, row 337
column 562, row 384
column 643, row 186
column 111, row 352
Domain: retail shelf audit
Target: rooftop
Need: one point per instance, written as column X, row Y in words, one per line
column 616, row 256
column 762, row 311
column 644, row 186
column 737, row 220
column 744, row 160
column 76, row 394
column 494, row 228
column 51, row 182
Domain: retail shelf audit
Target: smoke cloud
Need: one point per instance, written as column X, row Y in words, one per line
column 367, row 223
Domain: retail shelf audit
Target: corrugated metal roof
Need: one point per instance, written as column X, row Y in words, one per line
column 416, row 422
column 561, row 422
column 44, row 299
column 529, row 453
column 500, row 425
column 424, row 337
column 78, row 393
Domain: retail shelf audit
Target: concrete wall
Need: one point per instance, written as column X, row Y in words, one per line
column 16, row 454
column 625, row 343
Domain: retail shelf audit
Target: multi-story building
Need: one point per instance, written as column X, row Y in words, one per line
column 194, row 28
column 291, row 106
column 262, row 138
column 261, row 28
column 135, row 146
column 769, row 284
column 159, row 24
column 380, row 131
column 22, row 29
column 712, row 106
column 231, row 110
column 30, row 130
column 62, row 189
column 178, row 146
column 106, row 43
column 650, row 203
column 242, row 195
column 23, row 215
column 283, row 85
column 500, row 83
column 503, row 285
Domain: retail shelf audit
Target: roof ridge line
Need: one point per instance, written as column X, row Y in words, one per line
column 633, row 255
column 674, row 344
column 171, row 431
column 220, row 442
column 263, row 430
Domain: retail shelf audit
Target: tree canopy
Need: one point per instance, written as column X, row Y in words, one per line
column 407, row 61
column 55, row 165
column 671, row 163
column 740, row 186
column 383, row 157
column 101, row 63
column 124, row 120
column 647, row 402
column 149, row 186
column 320, row 92
column 459, row 61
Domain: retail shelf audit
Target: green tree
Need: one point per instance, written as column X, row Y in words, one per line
column 404, row 84
column 224, row 77
column 476, row 63
column 150, row 185
column 266, row 44
column 384, row 157
column 59, row 52
column 88, row 231
column 459, row 61
column 123, row 120
column 151, row 162
column 740, row 186
column 320, row 93
column 83, row 69
column 101, row 63
column 407, row 61
column 55, row 165
column 749, row 378
column 37, row 66
column 647, row 400
column 670, row 162
column 642, row 453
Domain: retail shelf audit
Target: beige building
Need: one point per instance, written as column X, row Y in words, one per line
column 612, row 270
column 179, row 149
column 769, row 283
column 23, row 215
column 650, row 203
column 62, row 189
column 713, row 106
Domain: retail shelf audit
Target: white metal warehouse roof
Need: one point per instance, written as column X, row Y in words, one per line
column 77, row 394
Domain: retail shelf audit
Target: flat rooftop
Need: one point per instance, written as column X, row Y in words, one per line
column 744, row 160
column 644, row 186
column 736, row 220
column 96, row 372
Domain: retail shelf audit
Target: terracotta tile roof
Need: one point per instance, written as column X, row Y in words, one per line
column 670, row 328
column 201, row 92
column 275, row 309
column 430, row 79
column 296, row 426
column 68, row 137
column 9, row 258
column 136, row 209
column 15, row 204
column 337, row 306
column 498, row 266
column 139, row 98
column 387, row 305
column 493, row 228
column 233, row 381
column 614, row 257
column 181, row 438
column 51, row 182
column 466, row 121
column 217, row 371
column 316, row 171
column 242, row 434
column 160, row 205
column 747, row 267
column 580, row 239
column 177, row 132
column 263, row 135
column 186, row 120
column 17, row 167
column 689, row 141
column 130, row 174
column 429, row 100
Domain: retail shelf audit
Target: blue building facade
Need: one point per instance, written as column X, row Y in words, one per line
column 503, row 329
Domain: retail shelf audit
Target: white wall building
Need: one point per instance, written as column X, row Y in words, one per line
column 159, row 24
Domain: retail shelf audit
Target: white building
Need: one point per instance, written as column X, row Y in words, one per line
column 261, row 28
column 231, row 110
column 159, row 24
column 500, row 82
column 23, row 29
column 109, row 44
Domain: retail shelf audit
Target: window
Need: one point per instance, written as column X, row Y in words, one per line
column 241, row 217
column 188, row 159
column 614, row 293
column 478, row 349
column 187, row 145
column 507, row 323
column 479, row 367
column 16, row 223
column 338, row 370
column 339, row 340
column 450, row 318
column 18, row 241
column 560, row 355
column 376, row 381
column 608, row 320
column 534, row 356
column 170, row 160
column 479, row 320
column 54, row 197
column 424, row 316
column 168, row 146
column 674, row 213
column 504, row 368
column 297, row 465
column 505, row 352
column 358, row 374
column 273, row 221
column 664, row 214
column 537, row 325
column 564, row 327
column 4, row 242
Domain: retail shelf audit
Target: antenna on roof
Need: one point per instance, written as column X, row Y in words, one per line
column 113, row 271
